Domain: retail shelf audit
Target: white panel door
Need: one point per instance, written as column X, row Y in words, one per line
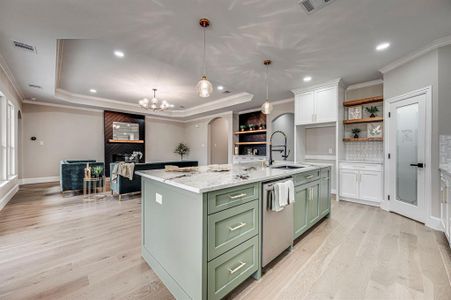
column 326, row 104
column 349, row 187
column 370, row 186
column 304, row 110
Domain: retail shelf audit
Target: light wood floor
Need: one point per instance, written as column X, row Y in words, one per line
column 54, row 247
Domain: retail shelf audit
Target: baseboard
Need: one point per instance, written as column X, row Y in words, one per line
column 39, row 180
column 333, row 191
column 434, row 223
column 370, row 203
column 8, row 196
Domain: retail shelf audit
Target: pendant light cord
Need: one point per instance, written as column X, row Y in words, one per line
column 267, row 82
column 205, row 50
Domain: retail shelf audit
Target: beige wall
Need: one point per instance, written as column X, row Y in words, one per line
column 218, row 141
column 415, row 75
column 444, row 90
column 62, row 133
column 161, row 139
column 319, row 140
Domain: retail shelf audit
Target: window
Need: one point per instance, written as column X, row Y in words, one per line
column 8, row 140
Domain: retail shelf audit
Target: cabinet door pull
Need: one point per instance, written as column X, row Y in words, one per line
column 309, row 177
column 242, row 264
column 237, row 196
column 237, row 226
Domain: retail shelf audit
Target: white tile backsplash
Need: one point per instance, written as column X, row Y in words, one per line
column 445, row 149
column 365, row 151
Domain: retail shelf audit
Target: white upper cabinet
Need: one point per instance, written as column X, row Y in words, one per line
column 326, row 103
column 305, row 108
column 317, row 105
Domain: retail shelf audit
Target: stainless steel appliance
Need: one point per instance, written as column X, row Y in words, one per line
column 277, row 227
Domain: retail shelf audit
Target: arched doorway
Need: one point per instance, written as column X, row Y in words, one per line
column 284, row 123
column 218, row 149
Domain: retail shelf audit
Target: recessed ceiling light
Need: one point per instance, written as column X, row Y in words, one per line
column 220, row 87
column 382, row 46
column 119, row 53
column 93, row 91
column 307, row 78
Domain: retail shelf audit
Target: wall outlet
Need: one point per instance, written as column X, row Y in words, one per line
column 159, row 198
column 330, row 151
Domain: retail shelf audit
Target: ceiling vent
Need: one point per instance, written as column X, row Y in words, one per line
column 35, row 86
column 311, row 6
column 25, row 47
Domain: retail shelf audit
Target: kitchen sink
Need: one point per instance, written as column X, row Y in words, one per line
column 288, row 167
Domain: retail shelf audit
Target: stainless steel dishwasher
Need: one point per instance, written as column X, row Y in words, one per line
column 277, row 226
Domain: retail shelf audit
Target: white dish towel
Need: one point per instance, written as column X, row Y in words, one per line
column 283, row 195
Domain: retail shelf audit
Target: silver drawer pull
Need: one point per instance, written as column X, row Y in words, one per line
column 238, row 196
column 242, row 264
column 237, row 226
column 309, row 177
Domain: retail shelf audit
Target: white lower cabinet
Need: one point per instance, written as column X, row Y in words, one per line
column 359, row 181
column 445, row 205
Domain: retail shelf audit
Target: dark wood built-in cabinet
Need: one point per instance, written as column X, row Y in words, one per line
column 253, row 136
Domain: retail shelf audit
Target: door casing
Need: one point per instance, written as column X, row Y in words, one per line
column 427, row 91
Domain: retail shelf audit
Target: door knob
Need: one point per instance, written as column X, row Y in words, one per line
column 418, row 165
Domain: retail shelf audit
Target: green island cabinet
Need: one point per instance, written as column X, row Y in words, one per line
column 203, row 245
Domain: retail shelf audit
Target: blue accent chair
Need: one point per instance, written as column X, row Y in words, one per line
column 72, row 173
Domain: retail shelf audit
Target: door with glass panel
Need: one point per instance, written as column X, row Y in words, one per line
column 407, row 146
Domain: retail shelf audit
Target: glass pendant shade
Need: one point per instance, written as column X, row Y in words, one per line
column 204, row 87
column 267, row 107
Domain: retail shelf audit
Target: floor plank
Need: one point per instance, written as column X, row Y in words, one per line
column 56, row 247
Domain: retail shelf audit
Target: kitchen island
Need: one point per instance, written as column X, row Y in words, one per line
column 202, row 232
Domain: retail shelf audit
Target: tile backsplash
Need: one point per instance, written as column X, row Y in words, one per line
column 365, row 151
column 445, row 149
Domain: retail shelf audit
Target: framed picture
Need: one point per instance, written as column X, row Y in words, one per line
column 354, row 112
column 375, row 130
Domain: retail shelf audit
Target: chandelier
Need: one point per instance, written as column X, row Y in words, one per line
column 154, row 104
column 267, row 106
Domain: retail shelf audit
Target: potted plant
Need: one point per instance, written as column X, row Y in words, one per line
column 355, row 132
column 372, row 110
column 251, row 126
column 97, row 171
column 242, row 127
column 181, row 150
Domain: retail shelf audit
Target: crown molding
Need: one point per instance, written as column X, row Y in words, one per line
column 364, row 84
column 283, row 101
column 25, row 101
column 11, row 78
column 335, row 82
column 104, row 103
column 413, row 55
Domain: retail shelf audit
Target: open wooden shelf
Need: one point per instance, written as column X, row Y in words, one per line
column 363, row 101
column 375, row 139
column 126, row 141
column 250, row 131
column 365, row 120
column 251, row 143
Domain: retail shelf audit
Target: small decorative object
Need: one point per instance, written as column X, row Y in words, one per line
column 242, row 127
column 355, row 132
column 372, row 110
column 87, row 171
column 251, row 126
column 355, row 113
column 237, row 151
column 375, row 130
column 97, row 171
column 262, row 126
column 181, row 150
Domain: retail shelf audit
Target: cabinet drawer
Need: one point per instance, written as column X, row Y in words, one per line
column 222, row 199
column 231, row 227
column 325, row 173
column 230, row 269
column 306, row 177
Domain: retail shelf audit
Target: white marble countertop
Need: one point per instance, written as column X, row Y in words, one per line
column 205, row 180
column 445, row 169
column 370, row 162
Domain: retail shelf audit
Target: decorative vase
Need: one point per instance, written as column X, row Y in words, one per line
column 356, row 136
column 372, row 116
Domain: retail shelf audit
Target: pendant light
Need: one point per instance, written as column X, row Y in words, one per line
column 204, row 87
column 267, row 106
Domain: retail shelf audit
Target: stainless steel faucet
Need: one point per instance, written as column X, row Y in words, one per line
column 278, row 147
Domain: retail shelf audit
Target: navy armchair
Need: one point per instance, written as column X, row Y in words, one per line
column 72, row 173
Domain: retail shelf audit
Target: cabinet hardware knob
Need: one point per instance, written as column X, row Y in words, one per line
column 242, row 264
column 237, row 227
